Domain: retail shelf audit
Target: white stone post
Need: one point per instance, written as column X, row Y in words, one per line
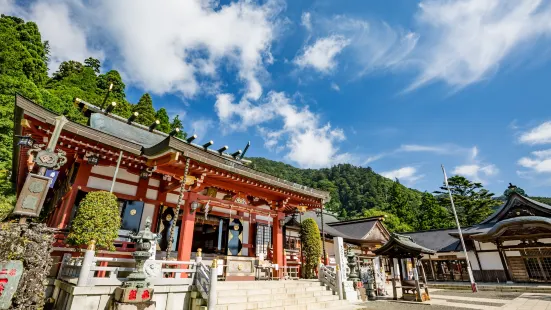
column 87, row 262
column 211, row 303
column 340, row 257
column 339, row 281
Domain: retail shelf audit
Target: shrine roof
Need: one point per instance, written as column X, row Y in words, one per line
column 359, row 228
column 515, row 200
column 439, row 240
column 516, row 223
column 114, row 131
column 402, row 246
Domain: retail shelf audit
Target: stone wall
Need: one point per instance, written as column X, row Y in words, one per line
column 70, row 297
column 31, row 244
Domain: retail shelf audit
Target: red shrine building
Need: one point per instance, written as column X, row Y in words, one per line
column 226, row 208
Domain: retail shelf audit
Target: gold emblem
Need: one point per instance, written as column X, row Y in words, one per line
column 239, row 267
column 236, row 227
column 133, row 212
column 168, row 217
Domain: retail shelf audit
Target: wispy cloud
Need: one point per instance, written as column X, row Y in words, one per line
column 467, row 41
column 406, row 174
column 538, row 135
column 321, row 54
column 476, row 169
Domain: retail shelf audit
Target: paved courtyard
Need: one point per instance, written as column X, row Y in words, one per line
column 484, row 300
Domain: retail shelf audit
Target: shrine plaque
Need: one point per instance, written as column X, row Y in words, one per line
column 10, row 274
column 32, row 195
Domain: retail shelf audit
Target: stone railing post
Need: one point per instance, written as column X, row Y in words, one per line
column 339, row 281
column 320, row 271
column 211, row 303
column 83, row 277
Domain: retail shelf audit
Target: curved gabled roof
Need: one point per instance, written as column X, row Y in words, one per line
column 402, row 246
column 514, row 200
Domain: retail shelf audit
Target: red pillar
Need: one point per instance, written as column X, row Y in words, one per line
column 277, row 236
column 186, row 231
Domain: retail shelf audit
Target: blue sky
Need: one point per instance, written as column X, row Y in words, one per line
column 400, row 86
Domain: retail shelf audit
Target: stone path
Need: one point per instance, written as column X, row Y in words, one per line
column 525, row 301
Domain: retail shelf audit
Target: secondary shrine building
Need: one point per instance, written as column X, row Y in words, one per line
column 227, row 208
column 513, row 244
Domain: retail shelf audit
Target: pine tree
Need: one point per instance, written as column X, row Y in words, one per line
column 473, row 202
column 93, row 63
column 432, row 215
column 145, row 109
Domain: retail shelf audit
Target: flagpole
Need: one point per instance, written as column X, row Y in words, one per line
column 470, row 272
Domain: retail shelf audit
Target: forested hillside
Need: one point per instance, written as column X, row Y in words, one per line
column 355, row 191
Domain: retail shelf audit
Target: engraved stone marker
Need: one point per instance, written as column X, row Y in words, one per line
column 31, row 198
column 10, row 274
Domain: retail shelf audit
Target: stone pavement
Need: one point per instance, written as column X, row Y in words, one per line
column 524, row 301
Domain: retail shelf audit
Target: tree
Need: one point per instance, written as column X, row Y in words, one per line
column 513, row 189
column 311, row 247
column 162, row 116
column 97, row 219
column 432, row 215
column 391, row 221
column 472, row 201
column 92, row 63
column 145, row 109
column 177, row 123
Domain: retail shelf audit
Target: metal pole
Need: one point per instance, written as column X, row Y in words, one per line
column 323, row 237
column 116, row 172
column 471, row 278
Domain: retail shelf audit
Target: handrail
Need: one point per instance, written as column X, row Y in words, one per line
column 206, row 279
column 330, row 277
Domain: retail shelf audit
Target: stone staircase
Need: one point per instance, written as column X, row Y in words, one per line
column 282, row 295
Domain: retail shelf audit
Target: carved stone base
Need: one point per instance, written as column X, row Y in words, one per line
column 133, row 295
column 146, row 305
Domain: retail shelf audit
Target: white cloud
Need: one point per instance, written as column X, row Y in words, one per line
column 476, row 172
column 335, row 87
column 306, row 21
column 321, row 55
column 476, row 169
column 308, row 143
column 538, row 135
column 176, row 47
column 407, row 174
column 539, row 162
column 66, row 36
column 467, row 41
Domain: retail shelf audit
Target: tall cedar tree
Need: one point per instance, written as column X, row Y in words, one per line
column 162, row 116
column 310, row 241
column 146, row 110
column 473, row 202
column 432, row 215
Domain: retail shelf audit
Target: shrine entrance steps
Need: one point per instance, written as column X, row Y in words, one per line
column 281, row 295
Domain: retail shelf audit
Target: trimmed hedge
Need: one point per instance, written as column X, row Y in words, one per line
column 311, row 247
column 97, row 219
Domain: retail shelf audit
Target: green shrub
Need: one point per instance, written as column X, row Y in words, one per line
column 311, row 247
column 97, row 219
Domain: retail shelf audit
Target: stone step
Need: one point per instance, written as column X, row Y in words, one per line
column 276, row 293
column 232, row 285
column 287, row 299
column 335, row 304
